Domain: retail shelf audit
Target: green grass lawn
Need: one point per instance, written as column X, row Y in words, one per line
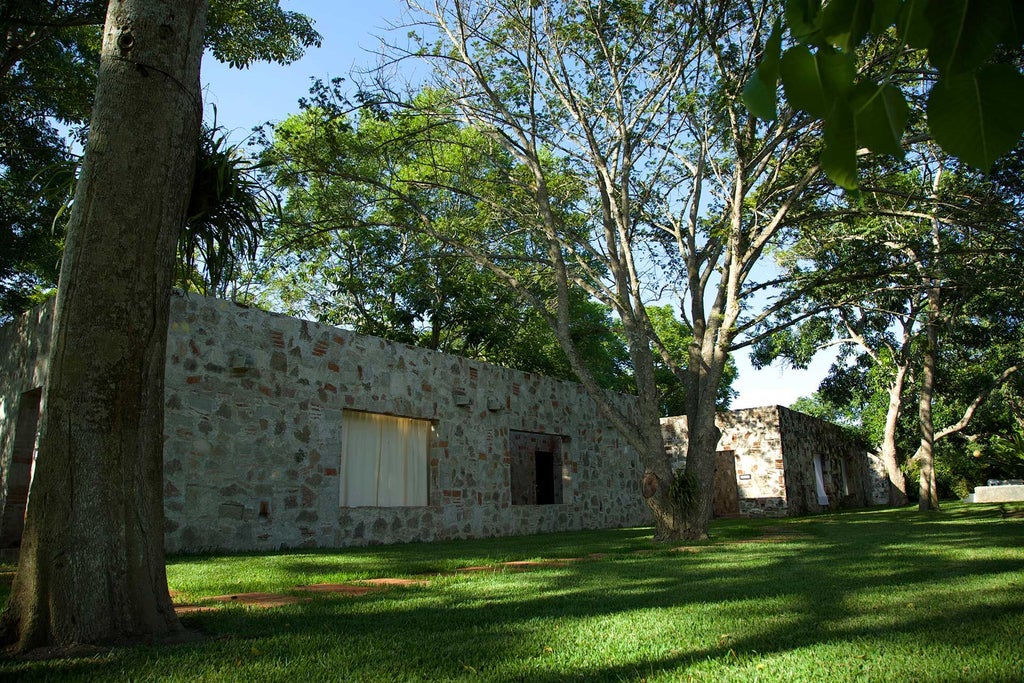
column 864, row 596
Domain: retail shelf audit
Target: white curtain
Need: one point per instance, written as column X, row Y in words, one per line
column 416, row 446
column 385, row 460
column 391, row 473
column 361, row 453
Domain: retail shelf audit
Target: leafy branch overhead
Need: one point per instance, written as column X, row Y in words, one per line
column 975, row 90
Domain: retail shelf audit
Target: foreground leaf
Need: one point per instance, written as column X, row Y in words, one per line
column 839, row 158
column 761, row 92
column 977, row 116
column 880, row 114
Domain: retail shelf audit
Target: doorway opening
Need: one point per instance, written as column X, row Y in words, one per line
column 726, row 497
column 26, row 434
column 535, row 468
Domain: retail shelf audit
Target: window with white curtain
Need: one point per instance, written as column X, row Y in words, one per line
column 384, row 460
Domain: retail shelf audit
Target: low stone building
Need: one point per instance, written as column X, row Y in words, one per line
column 286, row 433
column 777, row 462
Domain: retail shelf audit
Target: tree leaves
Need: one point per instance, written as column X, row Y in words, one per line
column 973, row 108
column 965, row 33
column 813, row 82
column 880, row 115
column 977, row 115
column 240, row 32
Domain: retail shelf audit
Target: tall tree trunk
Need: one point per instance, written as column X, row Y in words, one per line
column 92, row 562
column 655, row 487
column 704, row 374
column 669, row 518
column 897, row 482
column 700, row 468
column 929, row 497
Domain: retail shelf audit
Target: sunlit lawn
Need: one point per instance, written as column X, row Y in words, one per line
column 865, row 596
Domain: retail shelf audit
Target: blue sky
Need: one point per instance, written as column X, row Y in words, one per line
column 269, row 92
column 247, row 97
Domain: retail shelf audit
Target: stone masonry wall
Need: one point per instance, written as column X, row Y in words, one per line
column 775, row 449
column 24, row 346
column 254, row 411
column 845, row 466
column 753, row 436
column 253, row 428
column 253, row 434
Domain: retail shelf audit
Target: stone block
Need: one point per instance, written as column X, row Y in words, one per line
column 999, row 494
column 231, row 511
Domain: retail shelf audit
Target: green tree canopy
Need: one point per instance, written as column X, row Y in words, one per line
column 922, row 261
column 49, row 53
column 353, row 247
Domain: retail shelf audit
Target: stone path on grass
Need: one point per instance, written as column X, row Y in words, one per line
column 353, row 589
column 364, row 586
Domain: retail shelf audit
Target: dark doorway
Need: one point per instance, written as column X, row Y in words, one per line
column 545, row 461
column 26, row 431
column 535, row 468
column 727, row 496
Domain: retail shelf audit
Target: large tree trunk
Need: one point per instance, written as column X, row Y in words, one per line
column 92, row 562
column 669, row 517
column 655, row 487
column 700, row 468
column 897, row 482
column 704, row 374
column 929, row 497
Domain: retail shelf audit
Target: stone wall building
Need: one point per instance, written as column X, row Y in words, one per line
column 286, row 433
column 777, row 462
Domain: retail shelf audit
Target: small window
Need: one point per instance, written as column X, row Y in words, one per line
column 536, row 468
column 819, row 479
column 384, row 460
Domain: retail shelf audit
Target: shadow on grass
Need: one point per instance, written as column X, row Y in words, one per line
column 870, row 584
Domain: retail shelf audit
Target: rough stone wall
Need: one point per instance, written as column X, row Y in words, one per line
column 253, row 434
column 253, row 437
column 878, row 481
column 844, row 465
column 775, row 449
column 754, row 438
column 24, row 347
column 254, row 431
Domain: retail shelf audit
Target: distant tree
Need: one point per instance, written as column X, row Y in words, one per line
column 47, row 79
column 683, row 190
column 49, row 52
column 344, row 252
column 1005, row 455
column 916, row 257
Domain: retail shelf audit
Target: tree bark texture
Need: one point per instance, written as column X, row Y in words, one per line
column 929, row 496
column 92, row 563
column 897, row 482
column 704, row 375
